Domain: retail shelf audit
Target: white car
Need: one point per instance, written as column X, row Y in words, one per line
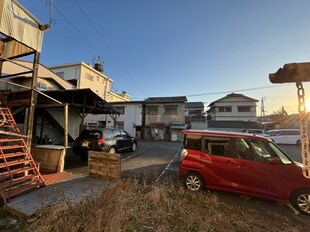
column 284, row 136
column 261, row 132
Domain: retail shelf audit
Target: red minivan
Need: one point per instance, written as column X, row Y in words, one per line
column 245, row 164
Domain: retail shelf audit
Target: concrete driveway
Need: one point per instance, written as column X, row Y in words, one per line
column 153, row 161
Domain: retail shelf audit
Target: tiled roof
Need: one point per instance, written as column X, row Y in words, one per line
column 166, row 99
column 233, row 95
column 194, row 105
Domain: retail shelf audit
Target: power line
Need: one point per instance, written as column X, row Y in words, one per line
column 109, row 48
column 240, row 90
column 91, row 45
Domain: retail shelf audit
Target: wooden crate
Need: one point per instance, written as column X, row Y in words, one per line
column 104, row 166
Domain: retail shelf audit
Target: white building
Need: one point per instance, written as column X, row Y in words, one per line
column 233, row 107
column 130, row 118
column 83, row 75
column 233, row 112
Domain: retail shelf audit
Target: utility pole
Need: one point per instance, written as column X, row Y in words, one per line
column 262, row 111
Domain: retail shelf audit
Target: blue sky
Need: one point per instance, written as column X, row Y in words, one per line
column 202, row 49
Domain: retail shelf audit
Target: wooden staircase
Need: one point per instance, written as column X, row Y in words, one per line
column 18, row 171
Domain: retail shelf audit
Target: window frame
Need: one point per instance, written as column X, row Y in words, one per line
column 225, row 109
column 151, row 110
column 244, row 109
column 171, row 110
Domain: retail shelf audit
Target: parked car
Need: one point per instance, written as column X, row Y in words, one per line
column 109, row 140
column 284, row 136
column 261, row 132
column 245, row 164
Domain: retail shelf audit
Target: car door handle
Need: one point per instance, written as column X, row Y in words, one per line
column 242, row 164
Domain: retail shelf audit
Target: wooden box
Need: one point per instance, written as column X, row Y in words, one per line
column 104, row 166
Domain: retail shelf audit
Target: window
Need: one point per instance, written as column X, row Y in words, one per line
column 192, row 142
column 120, row 125
column 89, row 76
column 124, row 134
column 108, row 134
column 117, row 133
column 121, row 109
column 224, row 108
column 61, row 74
column 171, row 110
column 219, row 146
column 152, row 110
column 91, row 125
column 98, row 78
column 244, row 108
column 41, row 85
column 259, row 151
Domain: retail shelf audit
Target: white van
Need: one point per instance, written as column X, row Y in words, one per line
column 284, row 136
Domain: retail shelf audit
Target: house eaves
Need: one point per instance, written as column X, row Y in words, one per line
column 232, row 95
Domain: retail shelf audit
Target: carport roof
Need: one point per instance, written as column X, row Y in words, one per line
column 76, row 98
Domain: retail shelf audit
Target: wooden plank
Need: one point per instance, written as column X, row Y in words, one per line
column 104, row 166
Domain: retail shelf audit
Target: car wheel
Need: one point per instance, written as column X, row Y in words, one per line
column 300, row 200
column 112, row 150
column 193, row 182
column 298, row 142
column 133, row 146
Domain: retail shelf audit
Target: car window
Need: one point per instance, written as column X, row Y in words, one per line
column 260, row 150
column 117, row 133
column 280, row 154
column 219, row 146
column 108, row 134
column 90, row 134
column 272, row 133
column 244, row 150
column 124, row 133
column 192, row 142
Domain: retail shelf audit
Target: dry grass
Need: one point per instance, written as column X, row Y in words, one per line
column 130, row 206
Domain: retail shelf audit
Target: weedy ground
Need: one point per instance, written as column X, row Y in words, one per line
column 132, row 206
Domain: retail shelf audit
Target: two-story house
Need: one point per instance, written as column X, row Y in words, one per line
column 195, row 115
column 84, row 75
column 233, row 111
column 164, row 118
column 158, row 118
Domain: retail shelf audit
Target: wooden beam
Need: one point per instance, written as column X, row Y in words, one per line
column 33, row 99
column 66, row 125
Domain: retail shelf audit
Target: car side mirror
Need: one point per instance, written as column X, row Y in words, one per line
column 274, row 160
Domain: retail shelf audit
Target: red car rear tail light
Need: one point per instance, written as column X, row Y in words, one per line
column 101, row 140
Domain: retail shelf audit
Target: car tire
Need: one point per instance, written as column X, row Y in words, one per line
column 300, row 200
column 112, row 150
column 298, row 142
column 133, row 147
column 194, row 182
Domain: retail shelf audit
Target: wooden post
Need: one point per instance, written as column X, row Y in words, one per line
column 66, row 125
column 83, row 112
column 26, row 119
column 33, row 99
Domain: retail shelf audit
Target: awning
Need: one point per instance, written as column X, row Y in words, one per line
column 76, row 98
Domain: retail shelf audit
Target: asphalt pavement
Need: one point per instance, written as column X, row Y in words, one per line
column 153, row 161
